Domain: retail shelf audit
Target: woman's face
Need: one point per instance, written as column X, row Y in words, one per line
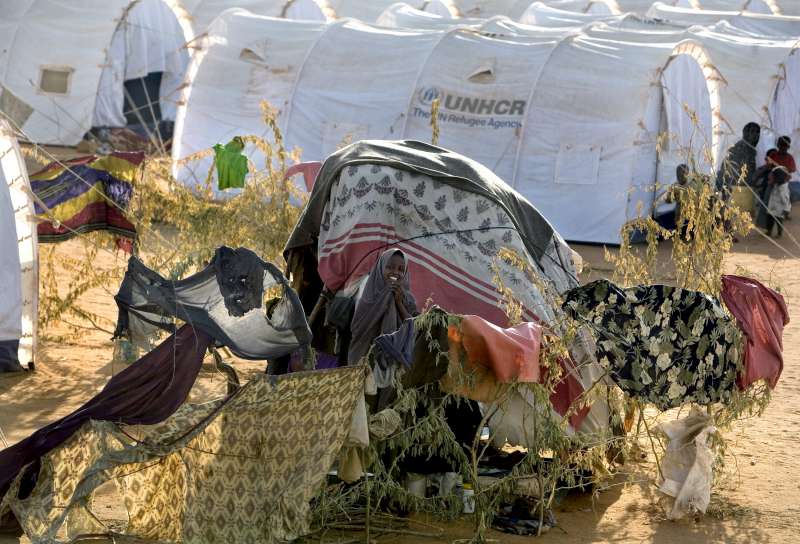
column 395, row 269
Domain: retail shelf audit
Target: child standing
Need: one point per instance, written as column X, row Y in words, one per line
column 779, row 204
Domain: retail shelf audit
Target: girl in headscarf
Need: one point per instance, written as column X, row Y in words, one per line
column 385, row 303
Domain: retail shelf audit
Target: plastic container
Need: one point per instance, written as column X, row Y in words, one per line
column 469, row 499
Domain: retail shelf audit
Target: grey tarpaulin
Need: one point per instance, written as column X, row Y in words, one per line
column 539, row 237
column 224, row 300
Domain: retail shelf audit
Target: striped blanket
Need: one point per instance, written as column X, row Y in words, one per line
column 452, row 239
column 85, row 194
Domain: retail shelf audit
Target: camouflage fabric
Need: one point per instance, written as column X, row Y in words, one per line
column 663, row 345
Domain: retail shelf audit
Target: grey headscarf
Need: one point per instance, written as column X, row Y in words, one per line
column 376, row 312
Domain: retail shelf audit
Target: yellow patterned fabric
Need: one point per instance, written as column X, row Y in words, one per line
column 235, row 471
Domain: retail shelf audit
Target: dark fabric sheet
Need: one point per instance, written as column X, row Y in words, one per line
column 663, row 345
column 443, row 165
column 762, row 315
column 399, row 345
column 224, row 300
column 9, row 358
column 145, row 393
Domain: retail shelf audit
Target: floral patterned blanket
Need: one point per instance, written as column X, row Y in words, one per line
column 661, row 344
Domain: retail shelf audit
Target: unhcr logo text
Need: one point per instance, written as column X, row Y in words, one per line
column 472, row 105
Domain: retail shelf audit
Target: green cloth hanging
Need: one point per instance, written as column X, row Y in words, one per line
column 231, row 164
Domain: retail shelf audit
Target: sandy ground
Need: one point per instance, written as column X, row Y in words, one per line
column 761, row 500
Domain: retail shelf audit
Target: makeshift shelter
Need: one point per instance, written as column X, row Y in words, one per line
column 70, row 66
column 450, row 214
column 19, row 267
column 451, row 217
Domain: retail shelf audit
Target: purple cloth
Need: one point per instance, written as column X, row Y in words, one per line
column 145, row 393
column 399, row 345
column 324, row 361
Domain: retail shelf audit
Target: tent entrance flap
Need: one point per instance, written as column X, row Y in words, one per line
column 142, row 100
column 686, row 118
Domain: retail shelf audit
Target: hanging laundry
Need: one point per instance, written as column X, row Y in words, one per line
column 663, row 345
column 231, row 164
column 762, row 315
column 147, row 392
column 86, row 194
column 224, row 300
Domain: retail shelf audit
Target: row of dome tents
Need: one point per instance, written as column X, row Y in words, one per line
column 68, row 67
column 731, row 69
column 513, row 97
column 129, row 65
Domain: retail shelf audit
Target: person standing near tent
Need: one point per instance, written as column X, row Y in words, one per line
column 762, row 188
column 383, row 305
column 684, row 180
column 739, row 162
column 783, row 157
column 739, row 165
column 779, row 202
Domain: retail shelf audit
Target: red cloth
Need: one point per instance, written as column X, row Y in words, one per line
column 567, row 391
column 761, row 314
column 309, row 171
column 512, row 354
column 784, row 159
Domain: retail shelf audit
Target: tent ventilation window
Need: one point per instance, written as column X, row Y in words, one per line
column 248, row 55
column 55, row 80
column 483, row 74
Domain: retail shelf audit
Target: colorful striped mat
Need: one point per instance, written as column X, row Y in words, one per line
column 86, row 194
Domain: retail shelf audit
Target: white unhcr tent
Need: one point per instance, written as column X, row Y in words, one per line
column 202, row 12
column 754, row 6
column 145, row 64
column 370, row 10
column 62, row 64
column 518, row 103
column 687, row 16
column 589, row 7
column 787, row 7
column 540, row 14
column 19, row 273
column 580, row 144
column 402, row 15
